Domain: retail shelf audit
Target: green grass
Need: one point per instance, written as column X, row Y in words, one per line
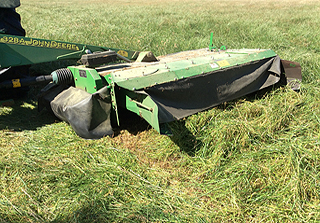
column 256, row 159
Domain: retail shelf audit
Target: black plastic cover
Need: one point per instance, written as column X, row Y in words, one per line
column 98, row 58
column 88, row 114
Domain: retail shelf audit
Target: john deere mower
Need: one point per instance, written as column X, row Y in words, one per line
column 159, row 89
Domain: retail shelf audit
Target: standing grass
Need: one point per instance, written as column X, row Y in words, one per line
column 249, row 160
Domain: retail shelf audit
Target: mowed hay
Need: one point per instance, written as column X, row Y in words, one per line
column 254, row 159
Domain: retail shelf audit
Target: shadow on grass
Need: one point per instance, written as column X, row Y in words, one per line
column 93, row 211
column 97, row 211
column 131, row 122
column 189, row 143
column 24, row 115
column 105, row 211
column 184, row 139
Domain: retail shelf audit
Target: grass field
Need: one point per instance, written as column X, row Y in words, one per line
column 256, row 159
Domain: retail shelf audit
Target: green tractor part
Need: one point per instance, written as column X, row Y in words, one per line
column 158, row 89
column 168, row 88
column 19, row 50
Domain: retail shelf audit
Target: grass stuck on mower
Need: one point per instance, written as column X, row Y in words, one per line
column 158, row 89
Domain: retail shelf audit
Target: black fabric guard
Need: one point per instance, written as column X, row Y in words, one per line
column 188, row 96
column 88, row 114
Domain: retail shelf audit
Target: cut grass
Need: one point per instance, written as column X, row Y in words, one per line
column 253, row 159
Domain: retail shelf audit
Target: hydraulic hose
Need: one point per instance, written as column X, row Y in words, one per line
column 60, row 76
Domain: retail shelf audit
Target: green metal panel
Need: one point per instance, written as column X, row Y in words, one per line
column 89, row 80
column 18, row 50
column 158, row 73
column 140, row 104
column 86, row 79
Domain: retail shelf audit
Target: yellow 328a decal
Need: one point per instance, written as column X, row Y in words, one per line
column 38, row 43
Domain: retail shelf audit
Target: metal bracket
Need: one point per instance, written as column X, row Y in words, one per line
column 114, row 101
column 71, row 55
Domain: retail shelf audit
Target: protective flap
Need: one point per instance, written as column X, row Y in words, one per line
column 188, row 96
column 88, row 114
column 293, row 74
